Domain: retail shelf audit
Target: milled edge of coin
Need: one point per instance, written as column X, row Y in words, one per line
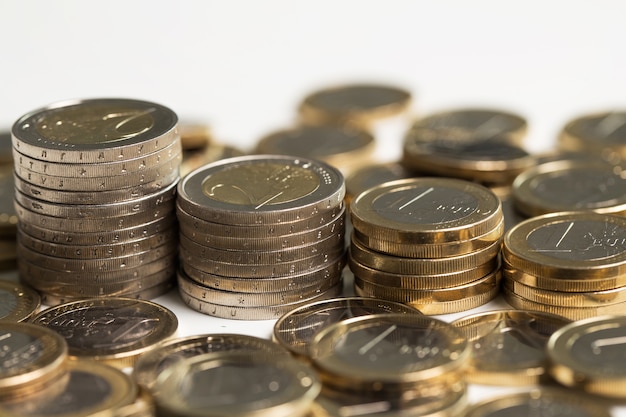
column 493, row 372
column 148, row 365
column 328, row 195
column 32, row 144
column 26, row 301
column 486, row 216
column 118, row 355
column 320, row 307
column 303, row 389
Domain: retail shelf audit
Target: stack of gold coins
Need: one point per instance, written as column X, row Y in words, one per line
column 432, row 243
column 570, row 263
column 260, row 235
column 408, row 364
column 344, row 148
column 95, row 188
column 601, row 134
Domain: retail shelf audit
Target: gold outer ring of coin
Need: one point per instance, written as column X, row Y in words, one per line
column 372, row 215
column 572, row 313
column 577, row 357
column 421, row 266
column 292, row 398
column 371, row 175
column 117, row 129
column 19, row 301
column 602, row 138
column 41, row 355
column 386, row 367
column 353, row 104
column 169, row 352
column 495, row 363
column 295, row 339
column 535, row 400
column 292, row 189
column 151, row 323
column 546, row 261
column 584, row 181
column 437, row 301
column 111, row 387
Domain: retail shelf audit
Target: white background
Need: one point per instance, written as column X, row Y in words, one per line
column 243, row 66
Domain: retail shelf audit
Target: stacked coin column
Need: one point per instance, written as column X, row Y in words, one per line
column 432, row 243
column 95, row 188
column 260, row 235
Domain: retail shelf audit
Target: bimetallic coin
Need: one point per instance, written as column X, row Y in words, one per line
column 567, row 299
column 113, row 330
column 574, row 245
column 211, row 153
column 426, row 211
column 587, row 354
column 32, row 357
column 17, row 302
column 237, row 383
column 89, row 389
column 260, row 189
column 539, row 402
column 95, row 131
column 570, row 186
column 596, row 133
column 171, row 352
column 353, row 104
column 508, row 346
column 372, row 175
column 296, row 329
column 388, row 351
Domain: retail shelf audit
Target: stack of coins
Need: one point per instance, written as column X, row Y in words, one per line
column 260, row 235
column 432, row 243
column 95, row 188
column 570, row 263
column 408, row 364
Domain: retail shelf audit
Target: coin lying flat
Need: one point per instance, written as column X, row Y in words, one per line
column 587, row 354
column 373, row 174
column 296, row 329
column 509, row 345
column 17, row 302
column 595, row 133
column 112, row 330
column 237, row 383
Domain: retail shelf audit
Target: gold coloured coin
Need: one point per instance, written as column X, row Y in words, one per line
column 17, row 302
column 112, row 330
column 390, row 351
column 508, row 346
column 169, row 353
column 296, row 329
column 576, row 245
column 90, row 389
column 426, row 211
column 32, row 356
column 194, row 135
column 570, row 186
column 237, row 383
column 371, row 175
column 567, row 299
column 539, row 402
column 595, row 133
column 353, row 104
column 587, row 354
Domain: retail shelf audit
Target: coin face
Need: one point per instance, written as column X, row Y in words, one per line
column 595, row 132
column 17, row 302
column 109, row 329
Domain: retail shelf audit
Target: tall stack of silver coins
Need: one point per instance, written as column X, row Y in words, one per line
column 260, row 235
column 95, row 192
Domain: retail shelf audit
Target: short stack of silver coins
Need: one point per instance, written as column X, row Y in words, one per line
column 95, row 192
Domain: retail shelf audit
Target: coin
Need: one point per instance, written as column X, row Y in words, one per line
column 260, row 189
column 371, row 175
column 169, row 353
column 508, row 346
column 94, row 131
column 353, row 104
column 91, row 389
column 194, row 135
column 211, row 153
column 567, row 298
column 17, row 302
column 112, row 330
column 570, row 186
column 595, row 133
column 586, row 355
column 33, row 356
column 237, row 383
column 296, row 329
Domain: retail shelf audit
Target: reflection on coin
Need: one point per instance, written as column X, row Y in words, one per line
column 113, row 330
column 17, row 302
column 596, row 133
